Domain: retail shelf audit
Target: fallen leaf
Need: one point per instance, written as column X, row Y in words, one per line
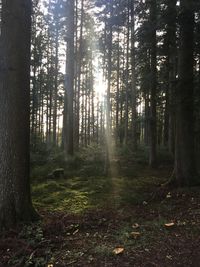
column 117, row 251
column 50, row 265
column 168, row 195
column 179, row 223
column 169, row 224
column 76, row 231
column 135, row 234
column 169, row 257
column 135, row 226
column 144, row 203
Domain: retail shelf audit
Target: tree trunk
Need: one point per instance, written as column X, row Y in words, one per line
column 185, row 169
column 69, row 91
column 108, row 105
column 170, row 76
column 118, row 85
column 133, row 79
column 79, row 68
column 55, row 87
column 15, row 195
column 153, row 86
column 127, row 79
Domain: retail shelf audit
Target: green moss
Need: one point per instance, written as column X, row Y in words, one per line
column 61, row 195
column 80, row 193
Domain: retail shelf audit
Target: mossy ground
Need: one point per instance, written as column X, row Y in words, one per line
column 85, row 217
column 78, row 194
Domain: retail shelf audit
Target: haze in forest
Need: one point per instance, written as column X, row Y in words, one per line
column 100, row 133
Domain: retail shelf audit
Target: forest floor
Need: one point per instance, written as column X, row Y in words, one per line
column 122, row 220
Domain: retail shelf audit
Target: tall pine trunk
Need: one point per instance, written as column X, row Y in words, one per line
column 69, row 90
column 185, row 170
column 126, row 119
column 172, row 72
column 108, row 104
column 79, row 69
column 118, row 86
column 153, row 85
column 55, row 107
column 133, row 79
column 15, row 198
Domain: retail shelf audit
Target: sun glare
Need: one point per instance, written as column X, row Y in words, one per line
column 100, row 85
column 99, row 82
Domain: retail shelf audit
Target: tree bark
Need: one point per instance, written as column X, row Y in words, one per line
column 79, row 68
column 185, row 168
column 126, row 119
column 153, row 86
column 133, row 79
column 118, row 86
column 172, row 72
column 55, row 107
column 15, row 197
column 108, row 104
column 69, row 91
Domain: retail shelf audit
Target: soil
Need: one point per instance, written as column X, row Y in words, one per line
column 162, row 231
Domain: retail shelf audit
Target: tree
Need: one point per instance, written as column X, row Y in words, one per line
column 170, row 47
column 15, row 195
column 133, row 80
column 153, row 84
column 79, row 68
column 108, row 104
column 127, row 77
column 185, row 169
column 69, row 93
